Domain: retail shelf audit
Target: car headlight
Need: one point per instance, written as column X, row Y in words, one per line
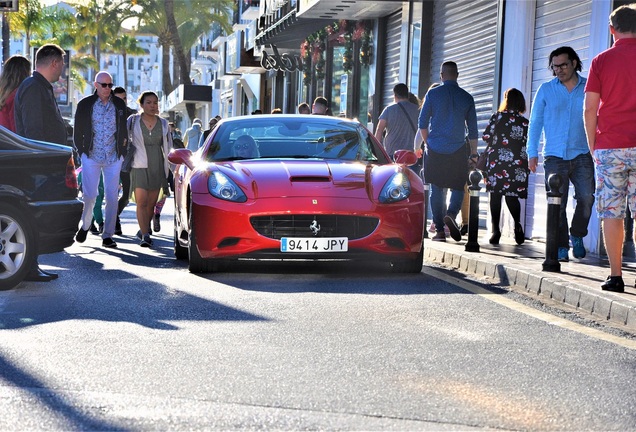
column 397, row 188
column 222, row 187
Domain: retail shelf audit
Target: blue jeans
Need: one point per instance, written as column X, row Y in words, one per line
column 438, row 205
column 579, row 171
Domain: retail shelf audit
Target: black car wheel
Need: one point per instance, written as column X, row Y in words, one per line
column 17, row 246
column 409, row 265
column 180, row 252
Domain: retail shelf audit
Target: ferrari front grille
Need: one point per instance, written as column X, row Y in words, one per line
column 276, row 227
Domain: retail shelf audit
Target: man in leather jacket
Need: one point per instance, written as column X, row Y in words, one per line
column 100, row 138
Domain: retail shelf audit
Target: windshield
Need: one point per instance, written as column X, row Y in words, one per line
column 292, row 137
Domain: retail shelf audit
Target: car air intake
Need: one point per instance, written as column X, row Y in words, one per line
column 276, row 227
column 312, row 179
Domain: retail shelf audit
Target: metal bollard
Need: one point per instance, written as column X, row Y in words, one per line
column 551, row 262
column 473, row 218
column 426, row 198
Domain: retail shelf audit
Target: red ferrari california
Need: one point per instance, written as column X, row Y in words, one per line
column 296, row 187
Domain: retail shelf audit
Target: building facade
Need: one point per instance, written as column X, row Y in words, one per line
column 313, row 48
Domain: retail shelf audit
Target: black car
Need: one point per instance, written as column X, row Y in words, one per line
column 39, row 208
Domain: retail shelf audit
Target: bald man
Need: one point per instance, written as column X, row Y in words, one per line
column 100, row 139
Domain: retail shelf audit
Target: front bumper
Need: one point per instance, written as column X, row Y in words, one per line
column 226, row 231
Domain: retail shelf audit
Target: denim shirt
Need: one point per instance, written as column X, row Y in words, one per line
column 559, row 114
column 447, row 111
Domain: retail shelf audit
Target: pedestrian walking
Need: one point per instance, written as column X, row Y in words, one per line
column 15, row 70
column 399, row 121
column 507, row 162
column 557, row 111
column 100, row 139
column 304, row 108
column 320, row 106
column 447, row 112
column 177, row 138
column 152, row 138
column 124, row 176
column 38, row 117
column 610, row 125
column 192, row 136
column 213, row 121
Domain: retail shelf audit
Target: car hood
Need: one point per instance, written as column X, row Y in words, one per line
column 268, row 179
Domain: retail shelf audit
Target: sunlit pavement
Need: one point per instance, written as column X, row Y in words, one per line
column 520, row 268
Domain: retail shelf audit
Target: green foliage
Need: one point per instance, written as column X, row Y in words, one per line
column 190, row 26
column 96, row 27
column 29, row 20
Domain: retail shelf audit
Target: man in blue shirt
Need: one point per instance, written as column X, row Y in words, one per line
column 447, row 111
column 557, row 110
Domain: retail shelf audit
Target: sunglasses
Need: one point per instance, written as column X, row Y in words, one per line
column 243, row 146
column 104, row 85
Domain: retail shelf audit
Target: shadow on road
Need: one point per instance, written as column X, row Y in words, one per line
column 93, row 293
column 26, row 383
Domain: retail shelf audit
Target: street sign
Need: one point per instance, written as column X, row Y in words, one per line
column 8, row 5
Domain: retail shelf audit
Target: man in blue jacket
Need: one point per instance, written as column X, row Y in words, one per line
column 100, row 137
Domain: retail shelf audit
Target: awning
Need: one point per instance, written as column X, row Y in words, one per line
column 290, row 31
column 313, row 15
column 200, row 95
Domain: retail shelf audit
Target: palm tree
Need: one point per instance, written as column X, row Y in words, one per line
column 191, row 30
column 176, row 42
column 81, row 63
column 152, row 19
column 125, row 45
column 29, row 20
column 209, row 11
column 98, row 22
column 188, row 27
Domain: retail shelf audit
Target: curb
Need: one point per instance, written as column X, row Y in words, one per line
column 608, row 306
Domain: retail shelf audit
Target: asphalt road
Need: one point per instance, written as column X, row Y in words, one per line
column 128, row 339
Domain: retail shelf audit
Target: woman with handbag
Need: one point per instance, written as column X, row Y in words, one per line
column 507, row 162
column 152, row 139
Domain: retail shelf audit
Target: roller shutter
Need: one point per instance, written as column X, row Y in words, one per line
column 466, row 32
column 391, row 57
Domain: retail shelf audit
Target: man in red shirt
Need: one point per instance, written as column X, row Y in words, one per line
column 610, row 126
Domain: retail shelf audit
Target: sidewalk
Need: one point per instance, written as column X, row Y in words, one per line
column 520, row 269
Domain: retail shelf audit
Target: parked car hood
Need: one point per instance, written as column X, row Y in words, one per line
column 293, row 178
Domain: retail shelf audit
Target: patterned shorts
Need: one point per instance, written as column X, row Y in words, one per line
column 615, row 180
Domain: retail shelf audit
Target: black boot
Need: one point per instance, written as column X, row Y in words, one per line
column 494, row 238
column 519, row 236
column 118, row 227
column 38, row 275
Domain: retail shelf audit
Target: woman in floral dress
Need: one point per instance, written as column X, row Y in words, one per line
column 507, row 161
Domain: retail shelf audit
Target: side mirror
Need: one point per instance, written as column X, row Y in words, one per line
column 405, row 157
column 181, row 156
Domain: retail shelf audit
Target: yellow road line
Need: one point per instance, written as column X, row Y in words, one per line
column 527, row 310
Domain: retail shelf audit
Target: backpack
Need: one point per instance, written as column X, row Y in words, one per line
column 177, row 143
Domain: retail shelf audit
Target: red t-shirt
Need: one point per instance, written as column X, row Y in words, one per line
column 7, row 118
column 613, row 76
